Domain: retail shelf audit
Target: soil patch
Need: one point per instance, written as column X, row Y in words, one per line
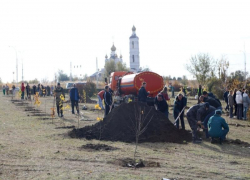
column 43, row 118
column 29, row 109
column 119, row 125
column 40, row 114
column 15, row 100
column 127, row 162
column 237, row 142
column 34, row 111
column 65, row 127
column 98, row 147
column 238, row 125
column 21, row 104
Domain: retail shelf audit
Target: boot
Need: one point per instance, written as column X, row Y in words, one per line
column 220, row 141
column 196, row 141
column 212, row 141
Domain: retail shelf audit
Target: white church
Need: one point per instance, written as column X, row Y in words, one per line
column 134, row 55
column 134, row 62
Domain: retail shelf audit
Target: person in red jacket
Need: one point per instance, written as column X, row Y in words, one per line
column 22, row 89
column 100, row 98
column 164, row 93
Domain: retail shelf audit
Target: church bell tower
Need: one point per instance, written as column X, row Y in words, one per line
column 134, row 51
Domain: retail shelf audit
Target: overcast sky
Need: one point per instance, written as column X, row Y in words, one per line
column 49, row 34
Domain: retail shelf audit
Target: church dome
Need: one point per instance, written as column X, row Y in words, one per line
column 133, row 28
column 120, row 56
column 106, row 57
column 113, row 48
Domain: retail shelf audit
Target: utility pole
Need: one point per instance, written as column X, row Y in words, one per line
column 70, row 71
column 245, row 67
column 97, row 73
column 22, row 69
column 16, row 65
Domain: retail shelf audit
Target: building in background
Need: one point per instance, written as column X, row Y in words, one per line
column 134, row 51
column 134, row 56
column 113, row 56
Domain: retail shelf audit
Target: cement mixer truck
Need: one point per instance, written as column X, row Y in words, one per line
column 126, row 85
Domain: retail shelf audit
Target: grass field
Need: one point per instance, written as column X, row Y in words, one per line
column 34, row 147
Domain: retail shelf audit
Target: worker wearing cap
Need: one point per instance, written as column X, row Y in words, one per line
column 217, row 126
column 59, row 95
column 161, row 104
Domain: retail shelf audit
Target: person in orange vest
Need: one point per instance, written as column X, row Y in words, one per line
column 100, row 98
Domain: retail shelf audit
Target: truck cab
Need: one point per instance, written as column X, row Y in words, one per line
column 114, row 79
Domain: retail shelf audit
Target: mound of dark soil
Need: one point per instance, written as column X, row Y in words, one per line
column 98, row 147
column 120, row 125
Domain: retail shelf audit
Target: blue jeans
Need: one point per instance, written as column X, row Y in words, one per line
column 245, row 113
column 239, row 111
column 181, row 118
column 100, row 102
column 227, row 106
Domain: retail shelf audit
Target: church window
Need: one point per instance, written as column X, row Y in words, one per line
column 133, row 58
column 133, row 44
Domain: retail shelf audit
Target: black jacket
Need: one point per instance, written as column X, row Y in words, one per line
column 142, row 95
column 192, row 111
column 226, row 96
column 202, row 112
column 161, row 105
column 212, row 102
column 107, row 98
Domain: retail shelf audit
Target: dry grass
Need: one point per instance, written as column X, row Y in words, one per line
column 31, row 148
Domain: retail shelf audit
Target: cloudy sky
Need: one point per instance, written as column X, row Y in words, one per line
column 47, row 35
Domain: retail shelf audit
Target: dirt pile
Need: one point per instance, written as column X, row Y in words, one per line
column 98, row 147
column 119, row 125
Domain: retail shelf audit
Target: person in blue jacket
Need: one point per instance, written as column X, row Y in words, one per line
column 179, row 104
column 217, row 127
column 74, row 97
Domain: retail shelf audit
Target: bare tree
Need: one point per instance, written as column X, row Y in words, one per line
column 112, row 66
column 223, row 64
column 140, row 124
column 201, row 67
